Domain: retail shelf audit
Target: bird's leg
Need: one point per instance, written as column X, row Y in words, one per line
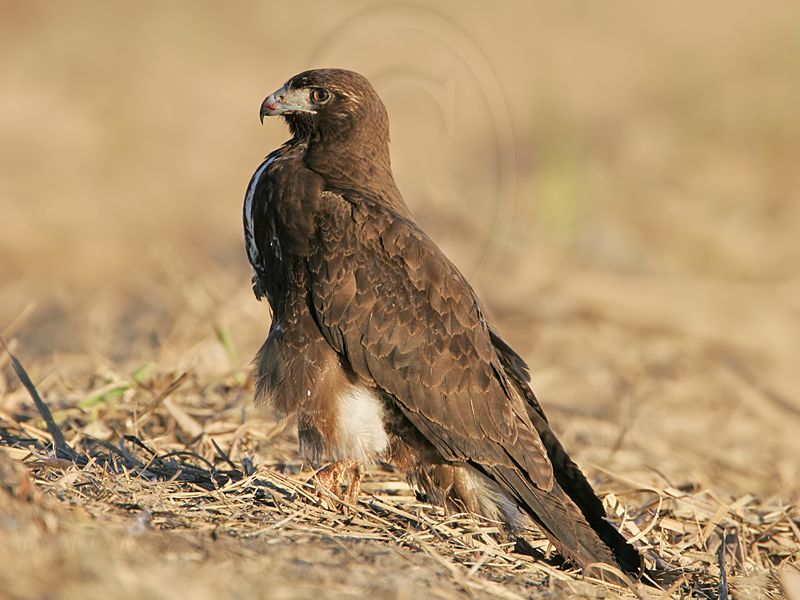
column 330, row 477
column 342, row 479
column 353, row 486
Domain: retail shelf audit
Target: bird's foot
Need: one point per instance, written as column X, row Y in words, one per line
column 342, row 479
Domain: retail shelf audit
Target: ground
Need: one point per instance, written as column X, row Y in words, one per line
column 619, row 183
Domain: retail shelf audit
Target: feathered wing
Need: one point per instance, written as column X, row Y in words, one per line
column 404, row 318
column 406, row 321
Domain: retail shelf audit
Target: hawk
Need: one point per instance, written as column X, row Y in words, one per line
column 379, row 347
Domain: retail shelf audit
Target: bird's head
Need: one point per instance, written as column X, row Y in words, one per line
column 342, row 121
column 328, row 105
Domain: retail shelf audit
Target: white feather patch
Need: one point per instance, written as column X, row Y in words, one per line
column 494, row 503
column 361, row 430
column 252, row 249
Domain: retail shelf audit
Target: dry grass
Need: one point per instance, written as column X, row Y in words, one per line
column 197, row 504
column 619, row 182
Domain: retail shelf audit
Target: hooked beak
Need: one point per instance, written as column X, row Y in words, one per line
column 285, row 101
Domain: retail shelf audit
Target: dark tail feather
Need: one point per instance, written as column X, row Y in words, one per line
column 557, row 516
column 574, row 484
column 570, row 482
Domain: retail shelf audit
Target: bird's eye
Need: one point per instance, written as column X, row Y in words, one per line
column 320, row 95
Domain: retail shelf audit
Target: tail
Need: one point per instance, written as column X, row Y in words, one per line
column 572, row 483
column 571, row 514
column 563, row 522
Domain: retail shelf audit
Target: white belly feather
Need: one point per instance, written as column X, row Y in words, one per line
column 361, row 432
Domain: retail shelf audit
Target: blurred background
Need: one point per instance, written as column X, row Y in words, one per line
column 619, row 181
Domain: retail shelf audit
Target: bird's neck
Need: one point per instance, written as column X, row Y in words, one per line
column 364, row 168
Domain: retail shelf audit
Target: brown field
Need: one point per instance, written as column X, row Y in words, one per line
column 620, row 182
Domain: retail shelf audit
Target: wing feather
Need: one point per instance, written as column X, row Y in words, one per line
column 407, row 322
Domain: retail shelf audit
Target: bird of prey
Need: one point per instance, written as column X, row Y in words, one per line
column 380, row 348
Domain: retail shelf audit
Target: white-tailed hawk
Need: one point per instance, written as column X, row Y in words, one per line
column 380, row 348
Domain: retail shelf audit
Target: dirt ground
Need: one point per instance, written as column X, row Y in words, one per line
column 619, row 182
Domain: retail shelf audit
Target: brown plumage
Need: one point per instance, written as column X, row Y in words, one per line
column 378, row 345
